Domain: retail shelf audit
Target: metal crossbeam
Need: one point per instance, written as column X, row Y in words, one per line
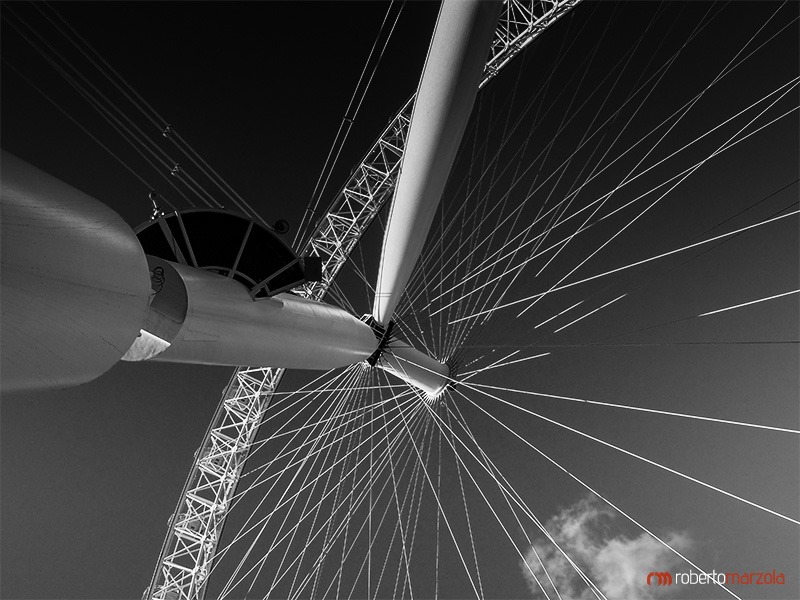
column 196, row 526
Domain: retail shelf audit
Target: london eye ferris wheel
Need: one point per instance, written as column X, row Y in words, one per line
column 607, row 296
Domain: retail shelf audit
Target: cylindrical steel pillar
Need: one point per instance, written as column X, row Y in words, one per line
column 74, row 285
column 415, row 368
column 445, row 96
column 200, row 317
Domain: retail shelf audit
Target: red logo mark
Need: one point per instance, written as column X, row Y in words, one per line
column 663, row 578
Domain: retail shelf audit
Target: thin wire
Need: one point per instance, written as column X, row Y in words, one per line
column 638, row 456
column 643, row 261
column 316, row 197
column 596, row 493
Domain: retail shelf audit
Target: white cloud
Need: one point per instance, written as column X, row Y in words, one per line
column 617, row 564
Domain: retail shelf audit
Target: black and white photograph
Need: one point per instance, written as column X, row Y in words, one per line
column 400, row 299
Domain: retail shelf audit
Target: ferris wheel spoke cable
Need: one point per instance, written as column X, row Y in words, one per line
column 411, row 330
column 505, row 493
column 93, row 57
column 313, row 422
column 359, row 412
column 633, row 454
column 520, row 246
column 194, row 157
column 352, row 507
column 656, row 201
column 114, row 116
column 436, row 491
column 337, row 146
column 141, row 139
column 317, row 431
column 784, row 187
column 372, row 504
column 681, row 265
column 311, row 528
column 232, row 582
column 310, row 427
column 403, row 566
column 467, row 328
column 348, row 435
column 678, row 112
column 573, row 194
column 568, row 111
column 446, row 520
column 80, row 126
column 421, row 422
column 397, row 506
column 406, row 306
column 636, row 408
column 382, row 463
column 309, row 538
column 628, row 266
column 488, row 467
column 468, row 223
column 366, row 494
column 138, row 142
column 407, row 318
column 299, row 462
column 458, row 463
column 145, row 109
column 337, row 296
column 327, row 542
column 369, row 289
column 456, row 333
column 593, row 491
column 420, row 482
column 590, row 313
column 317, row 439
column 440, row 328
column 531, row 193
column 278, row 506
column 530, row 104
column 470, row 374
column 417, row 285
column 509, row 493
column 496, row 474
column 642, row 159
column 438, row 512
column 637, row 88
column 749, row 303
column 692, row 317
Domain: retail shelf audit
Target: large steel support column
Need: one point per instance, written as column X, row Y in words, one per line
column 79, row 294
column 415, row 368
column 444, row 101
column 446, row 94
column 204, row 318
column 75, row 284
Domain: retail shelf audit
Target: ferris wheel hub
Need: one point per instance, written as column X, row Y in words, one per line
column 402, row 360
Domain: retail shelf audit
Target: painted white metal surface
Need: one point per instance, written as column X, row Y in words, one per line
column 446, row 93
column 214, row 321
column 415, row 368
column 75, row 283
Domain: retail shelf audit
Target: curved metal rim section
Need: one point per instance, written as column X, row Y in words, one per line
column 196, row 525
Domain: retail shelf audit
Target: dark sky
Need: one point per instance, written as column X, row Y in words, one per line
column 90, row 475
